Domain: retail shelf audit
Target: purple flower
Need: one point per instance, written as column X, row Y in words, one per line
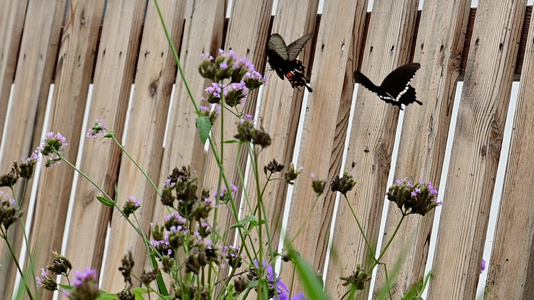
column 279, row 285
column 88, row 275
column 98, row 127
column 131, row 205
column 483, row 266
column 52, row 146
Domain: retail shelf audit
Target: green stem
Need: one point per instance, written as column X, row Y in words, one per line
column 305, row 220
column 360, row 226
column 387, row 245
column 197, row 110
column 3, row 234
column 136, row 164
column 24, row 234
column 85, row 176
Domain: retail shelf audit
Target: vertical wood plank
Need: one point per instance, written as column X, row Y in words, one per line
column 144, row 137
column 324, row 131
column 511, row 267
column 73, row 75
column 476, row 149
column 279, row 113
column 35, row 66
column 116, row 61
column 246, row 35
column 12, row 15
column 371, row 142
column 439, row 46
column 203, row 32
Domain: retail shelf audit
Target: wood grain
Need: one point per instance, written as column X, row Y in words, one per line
column 424, row 134
column 476, row 149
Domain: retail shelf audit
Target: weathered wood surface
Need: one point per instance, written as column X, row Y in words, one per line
column 476, row 149
column 116, row 51
column 439, row 49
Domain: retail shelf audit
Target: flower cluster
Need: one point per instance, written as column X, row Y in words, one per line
column 60, row 266
column 292, row 174
column 131, row 205
column 357, row 279
column 318, row 185
column 238, row 70
column 277, row 288
column 247, row 133
column 98, row 127
column 52, row 146
column 23, row 169
column 85, row 285
column 187, row 228
column 418, row 198
column 343, row 184
column 9, row 212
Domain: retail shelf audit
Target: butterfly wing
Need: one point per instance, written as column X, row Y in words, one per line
column 277, row 53
column 276, row 45
column 366, row 82
column 294, row 48
column 397, row 82
column 282, row 59
column 295, row 74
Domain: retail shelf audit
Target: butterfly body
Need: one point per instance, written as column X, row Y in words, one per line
column 283, row 59
column 395, row 89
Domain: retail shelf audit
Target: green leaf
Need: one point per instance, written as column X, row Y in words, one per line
column 231, row 141
column 105, row 201
column 138, row 292
column 312, row 285
column 106, row 296
column 248, row 219
column 204, row 127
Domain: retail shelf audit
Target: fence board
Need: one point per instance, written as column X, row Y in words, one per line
column 387, row 46
column 149, row 107
column 34, row 71
column 321, row 142
column 246, row 35
column 510, row 269
column 279, row 114
column 73, row 74
column 11, row 20
column 425, row 129
column 100, row 159
column 203, row 32
column 499, row 33
column 476, row 148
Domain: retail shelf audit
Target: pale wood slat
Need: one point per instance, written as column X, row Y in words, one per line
column 425, row 128
column 203, row 31
column 11, row 22
column 144, row 137
column 476, row 149
column 371, row 141
column 246, row 35
column 73, row 74
column 35, row 66
column 12, row 15
column 279, row 114
column 324, row 127
column 510, row 269
column 100, row 159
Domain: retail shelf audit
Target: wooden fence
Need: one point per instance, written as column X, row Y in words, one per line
column 115, row 44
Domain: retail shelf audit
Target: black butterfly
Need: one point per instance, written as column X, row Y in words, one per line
column 283, row 59
column 396, row 88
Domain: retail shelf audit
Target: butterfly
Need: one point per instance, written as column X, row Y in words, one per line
column 283, row 59
column 396, row 88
